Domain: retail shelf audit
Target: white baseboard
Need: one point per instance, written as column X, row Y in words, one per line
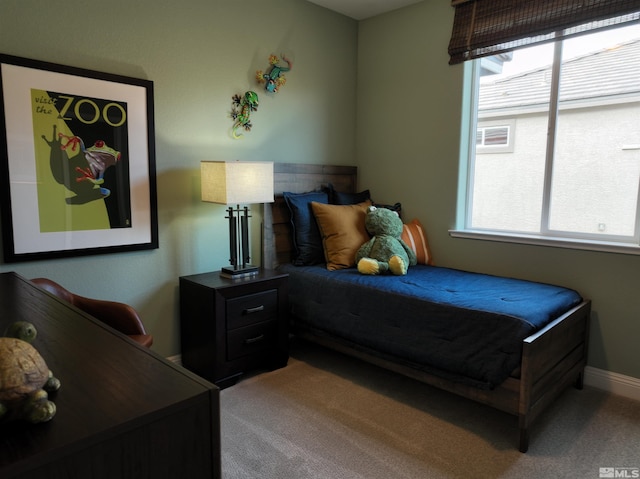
column 614, row 383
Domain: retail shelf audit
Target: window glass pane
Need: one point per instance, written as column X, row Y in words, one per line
column 596, row 169
column 508, row 185
column 496, row 136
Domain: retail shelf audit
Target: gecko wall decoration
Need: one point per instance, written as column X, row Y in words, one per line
column 241, row 112
column 274, row 78
column 243, row 105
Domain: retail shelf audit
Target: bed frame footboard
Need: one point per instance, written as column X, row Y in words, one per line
column 552, row 359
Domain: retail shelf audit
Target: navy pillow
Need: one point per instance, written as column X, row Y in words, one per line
column 397, row 207
column 349, row 198
column 306, row 235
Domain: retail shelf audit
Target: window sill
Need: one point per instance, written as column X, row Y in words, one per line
column 601, row 246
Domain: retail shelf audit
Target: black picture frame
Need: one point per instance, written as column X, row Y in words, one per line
column 77, row 161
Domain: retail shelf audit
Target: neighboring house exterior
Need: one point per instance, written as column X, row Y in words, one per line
column 597, row 154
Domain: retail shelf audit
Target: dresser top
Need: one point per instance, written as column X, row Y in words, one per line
column 110, row 384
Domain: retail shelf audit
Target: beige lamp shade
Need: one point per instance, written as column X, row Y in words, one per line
column 237, row 182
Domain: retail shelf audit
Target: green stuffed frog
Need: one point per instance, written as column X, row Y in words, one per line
column 385, row 251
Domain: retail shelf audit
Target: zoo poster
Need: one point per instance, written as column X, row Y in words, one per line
column 74, row 175
column 79, row 162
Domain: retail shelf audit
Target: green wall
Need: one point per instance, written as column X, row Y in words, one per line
column 409, row 115
column 198, row 53
column 381, row 87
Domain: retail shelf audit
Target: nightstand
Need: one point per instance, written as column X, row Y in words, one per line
column 230, row 326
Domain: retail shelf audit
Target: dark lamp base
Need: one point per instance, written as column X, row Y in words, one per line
column 239, row 272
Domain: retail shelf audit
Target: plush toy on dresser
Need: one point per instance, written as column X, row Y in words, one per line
column 385, row 251
column 25, row 379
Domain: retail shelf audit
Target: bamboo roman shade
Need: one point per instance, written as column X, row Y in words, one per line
column 488, row 27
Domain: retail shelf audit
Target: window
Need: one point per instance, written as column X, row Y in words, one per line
column 571, row 168
column 494, row 137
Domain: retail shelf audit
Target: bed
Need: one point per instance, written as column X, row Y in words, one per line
column 511, row 344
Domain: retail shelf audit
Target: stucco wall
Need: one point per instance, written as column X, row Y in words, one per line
column 595, row 174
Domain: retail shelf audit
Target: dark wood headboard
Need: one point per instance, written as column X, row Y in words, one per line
column 277, row 244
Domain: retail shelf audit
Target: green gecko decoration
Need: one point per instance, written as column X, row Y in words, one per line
column 241, row 112
column 274, row 79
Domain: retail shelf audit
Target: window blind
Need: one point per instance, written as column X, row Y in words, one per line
column 488, row 27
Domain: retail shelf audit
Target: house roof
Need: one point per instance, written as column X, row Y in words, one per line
column 605, row 74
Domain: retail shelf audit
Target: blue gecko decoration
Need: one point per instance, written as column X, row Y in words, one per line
column 274, row 79
column 241, row 112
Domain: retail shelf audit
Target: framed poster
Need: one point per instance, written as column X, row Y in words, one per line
column 77, row 161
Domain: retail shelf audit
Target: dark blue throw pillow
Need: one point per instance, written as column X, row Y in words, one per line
column 397, row 207
column 350, row 198
column 306, row 235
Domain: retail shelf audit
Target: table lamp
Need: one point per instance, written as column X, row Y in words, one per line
column 237, row 183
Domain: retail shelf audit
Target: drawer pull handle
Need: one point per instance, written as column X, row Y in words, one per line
column 257, row 309
column 254, row 340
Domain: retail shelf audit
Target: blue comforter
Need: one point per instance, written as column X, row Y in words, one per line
column 463, row 326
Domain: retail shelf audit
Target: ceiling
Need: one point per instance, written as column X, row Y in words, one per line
column 361, row 9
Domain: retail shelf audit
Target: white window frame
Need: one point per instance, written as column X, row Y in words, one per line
column 545, row 237
column 509, row 124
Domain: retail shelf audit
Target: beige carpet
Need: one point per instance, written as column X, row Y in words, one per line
column 330, row 416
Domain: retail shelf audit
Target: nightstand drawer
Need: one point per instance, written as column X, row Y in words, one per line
column 251, row 339
column 252, row 308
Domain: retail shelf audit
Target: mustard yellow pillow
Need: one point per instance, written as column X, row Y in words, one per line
column 343, row 232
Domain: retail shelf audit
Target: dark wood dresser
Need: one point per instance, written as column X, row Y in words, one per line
column 122, row 411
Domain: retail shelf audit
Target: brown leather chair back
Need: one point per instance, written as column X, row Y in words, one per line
column 119, row 316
